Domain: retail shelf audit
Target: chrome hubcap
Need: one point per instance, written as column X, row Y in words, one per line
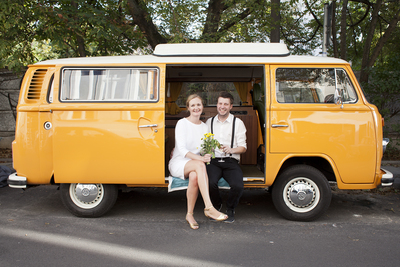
column 86, row 192
column 301, row 194
column 86, row 196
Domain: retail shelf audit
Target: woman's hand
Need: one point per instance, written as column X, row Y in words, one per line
column 207, row 158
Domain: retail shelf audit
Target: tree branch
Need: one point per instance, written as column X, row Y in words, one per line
column 364, row 17
column 384, row 38
column 235, row 20
column 301, row 42
column 312, row 13
column 142, row 18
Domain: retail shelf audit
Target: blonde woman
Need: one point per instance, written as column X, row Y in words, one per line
column 187, row 163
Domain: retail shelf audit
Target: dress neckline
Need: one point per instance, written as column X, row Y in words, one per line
column 194, row 123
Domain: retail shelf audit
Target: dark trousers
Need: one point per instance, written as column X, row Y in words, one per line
column 232, row 173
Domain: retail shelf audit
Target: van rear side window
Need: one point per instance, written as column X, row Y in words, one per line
column 109, row 85
column 312, row 85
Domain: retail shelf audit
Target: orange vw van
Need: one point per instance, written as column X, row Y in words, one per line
column 96, row 125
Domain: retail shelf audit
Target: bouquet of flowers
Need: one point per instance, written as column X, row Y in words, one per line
column 209, row 145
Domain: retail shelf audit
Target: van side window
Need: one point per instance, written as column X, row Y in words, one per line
column 344, row 84
column 311, row 85
column 112, row 84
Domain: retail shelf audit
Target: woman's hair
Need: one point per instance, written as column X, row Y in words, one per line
column 193, row 96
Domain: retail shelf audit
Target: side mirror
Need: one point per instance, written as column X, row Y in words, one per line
column 338, row 97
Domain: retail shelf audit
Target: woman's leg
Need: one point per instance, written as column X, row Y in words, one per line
column 192, row 192
column 191, row 195
column 202, row 181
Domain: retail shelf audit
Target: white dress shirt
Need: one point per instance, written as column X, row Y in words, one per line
column 223, row 133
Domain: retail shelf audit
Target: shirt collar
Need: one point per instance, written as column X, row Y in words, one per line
column 228, row 120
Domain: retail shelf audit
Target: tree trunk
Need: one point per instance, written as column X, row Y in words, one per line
column 367, row 45
column 276, row 21
column 334, row 39
column 142, row 18
column 79, row 39
column 343, row 35
column 81, row 46
column 214, row 11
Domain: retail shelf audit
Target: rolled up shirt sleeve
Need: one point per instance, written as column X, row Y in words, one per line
column 241, row 134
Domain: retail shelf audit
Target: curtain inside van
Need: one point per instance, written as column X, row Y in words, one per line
column 241, row 87
column 173, row 91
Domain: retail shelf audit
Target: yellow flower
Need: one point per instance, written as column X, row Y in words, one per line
column 209, row 145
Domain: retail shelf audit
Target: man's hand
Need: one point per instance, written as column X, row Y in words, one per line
column 237, row 150
column 226, row 149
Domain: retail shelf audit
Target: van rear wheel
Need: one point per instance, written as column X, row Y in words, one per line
column 88, row 200
column 301, row 193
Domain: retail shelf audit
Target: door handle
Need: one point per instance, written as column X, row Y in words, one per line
column 148, row 126
column 279, row 126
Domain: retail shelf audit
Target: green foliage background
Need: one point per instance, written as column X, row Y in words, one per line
column 37, row 30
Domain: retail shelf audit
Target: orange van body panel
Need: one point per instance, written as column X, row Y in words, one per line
column 88, row 143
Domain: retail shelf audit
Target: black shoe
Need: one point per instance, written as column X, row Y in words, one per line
column 231, row 216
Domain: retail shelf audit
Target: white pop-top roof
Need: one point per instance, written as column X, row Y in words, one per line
column 204, row 53
column 222, row 49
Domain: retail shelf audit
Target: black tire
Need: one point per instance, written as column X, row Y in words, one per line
column 88, row 200
column 301, row 193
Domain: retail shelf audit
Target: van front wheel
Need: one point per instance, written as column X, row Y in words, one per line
column 301, row 193
column 88, row 200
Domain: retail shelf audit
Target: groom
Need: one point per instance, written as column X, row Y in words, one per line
column 231, row 134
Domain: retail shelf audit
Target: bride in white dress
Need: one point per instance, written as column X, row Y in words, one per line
column 186, row 161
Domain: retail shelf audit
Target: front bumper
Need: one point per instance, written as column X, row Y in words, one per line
column 16, row 181
column 387, row 178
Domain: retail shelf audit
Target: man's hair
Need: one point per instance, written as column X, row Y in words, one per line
column 224, row 94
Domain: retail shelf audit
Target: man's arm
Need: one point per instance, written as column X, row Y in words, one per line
column 236, row 150
column 240, row 138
